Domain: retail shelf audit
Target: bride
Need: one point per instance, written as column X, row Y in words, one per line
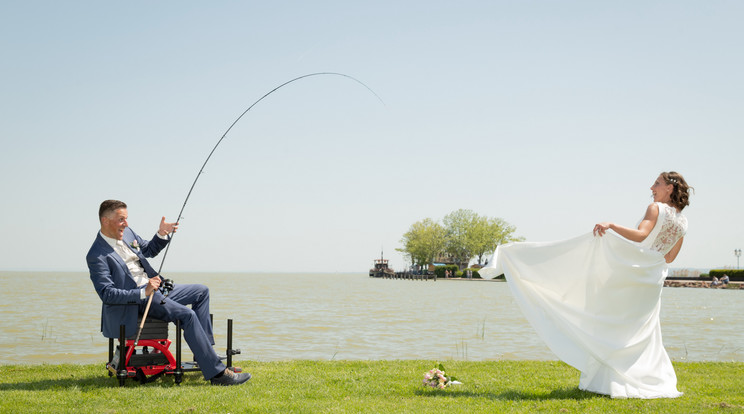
column 595, row 299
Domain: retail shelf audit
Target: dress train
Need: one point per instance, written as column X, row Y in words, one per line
column 595, row 302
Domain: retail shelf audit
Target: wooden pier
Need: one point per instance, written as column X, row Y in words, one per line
column 410, row 276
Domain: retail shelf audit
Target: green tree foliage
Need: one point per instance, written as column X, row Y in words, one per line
column 463, row 235
column 488, row 234
column 460, row 225
column 423, row 242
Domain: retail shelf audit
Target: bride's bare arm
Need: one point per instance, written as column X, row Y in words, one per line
column 636, row 235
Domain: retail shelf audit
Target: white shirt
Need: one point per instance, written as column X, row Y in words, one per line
column 131, row 260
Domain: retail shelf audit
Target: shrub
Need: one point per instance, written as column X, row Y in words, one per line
column 440, row 270
column 733, row 274
column 476, row 275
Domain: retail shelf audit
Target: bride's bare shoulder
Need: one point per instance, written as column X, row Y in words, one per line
column 652, row 210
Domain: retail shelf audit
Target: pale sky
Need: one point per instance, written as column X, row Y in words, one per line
column 551, row 115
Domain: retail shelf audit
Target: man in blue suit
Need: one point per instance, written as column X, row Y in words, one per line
column 124, row 279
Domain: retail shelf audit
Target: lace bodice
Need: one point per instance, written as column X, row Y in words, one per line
column 670, row 227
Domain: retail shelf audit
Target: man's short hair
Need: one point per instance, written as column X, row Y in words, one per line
column 109, row 206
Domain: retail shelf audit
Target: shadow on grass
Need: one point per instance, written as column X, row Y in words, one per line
column 102, row 381
column 559, row 394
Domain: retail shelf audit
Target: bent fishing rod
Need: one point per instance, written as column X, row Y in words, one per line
column 201, row 170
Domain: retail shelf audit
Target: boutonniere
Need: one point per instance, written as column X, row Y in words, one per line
column 135, row 245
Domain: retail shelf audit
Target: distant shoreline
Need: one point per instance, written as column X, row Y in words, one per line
column 473, row 279
column 706, row 284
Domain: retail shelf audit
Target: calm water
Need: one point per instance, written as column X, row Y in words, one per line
column 344, row 316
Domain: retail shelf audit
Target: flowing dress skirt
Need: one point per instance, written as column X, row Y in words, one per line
column 595, row 302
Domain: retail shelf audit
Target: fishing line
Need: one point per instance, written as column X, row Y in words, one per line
column 201, row 170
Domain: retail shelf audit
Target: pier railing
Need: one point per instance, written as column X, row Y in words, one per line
column 411, row 276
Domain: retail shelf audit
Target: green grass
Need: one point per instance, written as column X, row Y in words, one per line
column 360, row 386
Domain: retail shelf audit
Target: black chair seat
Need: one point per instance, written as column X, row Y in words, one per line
column 153, row 329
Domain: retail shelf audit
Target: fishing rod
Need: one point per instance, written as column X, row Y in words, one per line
column 201, row 170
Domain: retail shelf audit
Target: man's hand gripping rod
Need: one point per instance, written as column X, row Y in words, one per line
column 165, row 287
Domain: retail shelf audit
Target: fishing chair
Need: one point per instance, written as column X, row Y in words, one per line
column 152, row 358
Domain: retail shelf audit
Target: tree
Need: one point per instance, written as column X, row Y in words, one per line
column 488, row 233
column 423, row 242
column 463, row 235
column 459, row 226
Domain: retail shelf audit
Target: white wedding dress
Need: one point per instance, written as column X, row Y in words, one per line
column 595, row 302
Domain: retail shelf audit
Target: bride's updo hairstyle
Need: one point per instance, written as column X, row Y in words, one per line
column 680, row 197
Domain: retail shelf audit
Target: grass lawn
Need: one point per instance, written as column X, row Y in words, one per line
column 360, row 386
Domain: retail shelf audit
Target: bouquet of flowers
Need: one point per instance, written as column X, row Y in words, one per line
column 436, row 378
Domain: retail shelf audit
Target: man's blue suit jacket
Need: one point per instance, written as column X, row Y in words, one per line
column 114, row 283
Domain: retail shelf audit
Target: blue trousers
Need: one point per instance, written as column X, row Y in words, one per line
column 197, row 328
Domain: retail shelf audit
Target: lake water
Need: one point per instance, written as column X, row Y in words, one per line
column 343, row 316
